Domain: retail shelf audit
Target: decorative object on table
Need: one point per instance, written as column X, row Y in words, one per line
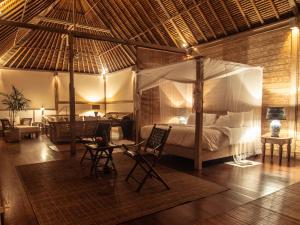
column 148, row 157
column 275, row 114
column 26, row 121
column 96, row 108
column 279, row 141
column 15, row 102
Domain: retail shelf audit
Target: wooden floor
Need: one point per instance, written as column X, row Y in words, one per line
column 246, row 185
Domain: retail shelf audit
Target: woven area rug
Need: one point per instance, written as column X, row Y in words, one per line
column 63, row 193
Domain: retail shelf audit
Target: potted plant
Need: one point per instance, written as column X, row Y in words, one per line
column 14, row 102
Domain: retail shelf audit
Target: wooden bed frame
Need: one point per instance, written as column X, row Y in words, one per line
column 189, row 153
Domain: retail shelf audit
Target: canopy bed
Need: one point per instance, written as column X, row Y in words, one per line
column 214, row 107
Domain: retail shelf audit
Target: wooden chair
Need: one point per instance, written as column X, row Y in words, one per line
column 147, row 157
column 102, row 130
column 5, row 125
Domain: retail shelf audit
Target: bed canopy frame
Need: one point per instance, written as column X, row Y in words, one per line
column 193, row 70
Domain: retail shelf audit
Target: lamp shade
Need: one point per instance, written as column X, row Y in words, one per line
column 276, row 113
column 95, row 107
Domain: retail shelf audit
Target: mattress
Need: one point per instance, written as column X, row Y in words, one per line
column 214, row 137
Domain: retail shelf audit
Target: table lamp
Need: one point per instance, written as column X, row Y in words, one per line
column 275, row 114
column 95, row 108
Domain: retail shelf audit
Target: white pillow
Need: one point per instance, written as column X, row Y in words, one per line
column 223, row 121
column 236, row 119
column 191, row 119
column 248, row 119
column 209, row 119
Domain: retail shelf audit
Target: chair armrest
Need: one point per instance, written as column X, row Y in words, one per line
column 127, row 147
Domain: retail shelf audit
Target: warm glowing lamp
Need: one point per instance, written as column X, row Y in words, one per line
column 42, row 110
column 275, row 114
column 95, row 108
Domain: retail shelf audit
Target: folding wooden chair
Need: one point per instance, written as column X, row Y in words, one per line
column 102, row 130
column 147, row 157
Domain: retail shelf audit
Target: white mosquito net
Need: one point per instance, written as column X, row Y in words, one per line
column 229, row 88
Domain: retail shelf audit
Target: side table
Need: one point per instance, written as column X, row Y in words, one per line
column 279, row 141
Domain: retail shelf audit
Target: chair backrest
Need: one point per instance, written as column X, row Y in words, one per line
column 103, row 130
column 26, row 121
column 157, row 140
column 5, row 124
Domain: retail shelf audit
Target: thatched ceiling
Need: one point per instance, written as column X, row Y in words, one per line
column 178, row 23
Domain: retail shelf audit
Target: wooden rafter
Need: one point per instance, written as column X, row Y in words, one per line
column 229, row 16
column 216, row 17
column 172, row 21
column 163, row 22
column 85, row 35
column 257, row 12
column 197, row 6
column 237, row 2
column 71, row 24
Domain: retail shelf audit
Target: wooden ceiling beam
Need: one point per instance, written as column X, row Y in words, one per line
column 178, row 31
column 238, row 4
column 151, row 22
column 229, row 15
column 217, row 18
column 85, row 35
column 194, row 21
column 71, row 24
column 162, row 23
column 91, row 7
column 189, row 29
column 257, row 12
column 197, row 6
column 274, row 9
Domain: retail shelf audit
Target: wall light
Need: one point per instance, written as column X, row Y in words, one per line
column 295, row 28
column 185, row 45
column 42, row 110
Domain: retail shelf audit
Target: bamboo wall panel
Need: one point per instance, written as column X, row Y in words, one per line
column 150, row 107
column 272, row 51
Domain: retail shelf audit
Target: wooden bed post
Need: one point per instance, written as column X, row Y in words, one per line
column 56, row 94
column 105, row 97
column 137, row 102
column 198, row 99
column 72, row 95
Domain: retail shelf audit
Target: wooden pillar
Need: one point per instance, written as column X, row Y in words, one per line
column 105, row 96
column 198, row 99
column 137, row 106
column 56, row 95
column 294, row 85
column 72, row 95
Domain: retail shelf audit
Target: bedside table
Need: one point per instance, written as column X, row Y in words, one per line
column 279, row 141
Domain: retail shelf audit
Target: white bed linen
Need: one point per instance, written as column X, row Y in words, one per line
column 214, row 137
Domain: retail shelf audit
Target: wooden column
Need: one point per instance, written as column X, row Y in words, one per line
column 137, row 104
column 198, row 95
column 105, row 98
column 294, row 85
column 72, row 95
column 56, row 95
